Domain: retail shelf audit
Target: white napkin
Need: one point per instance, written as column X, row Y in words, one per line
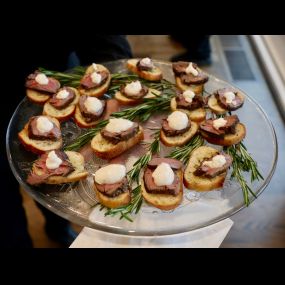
column 211, row 236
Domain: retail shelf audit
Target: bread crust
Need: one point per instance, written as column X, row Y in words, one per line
column 197, row 89
column 164, row 201
column 106, row 150
column 113, row 202
column 37, row 97
column 155, row 75
column 199, row 183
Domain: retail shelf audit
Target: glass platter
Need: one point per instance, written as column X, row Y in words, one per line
column 76, row 202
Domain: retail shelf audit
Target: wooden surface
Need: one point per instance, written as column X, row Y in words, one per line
column 260, row 225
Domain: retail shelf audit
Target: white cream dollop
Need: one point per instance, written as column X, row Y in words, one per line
column 53, row 161
column 133, row 88
column 93, row 105
column 147, row 62
column 62, row 94
column 217, row 161
column 41, row 78
column 96, row 77
column 177, row 120
column 110, row 174
column 230, row 96
column 191, row 69
column 95, row 67
column 44, row 124
column 118, row 125
column 163, row 175
column 188, row 95
column 218, row 123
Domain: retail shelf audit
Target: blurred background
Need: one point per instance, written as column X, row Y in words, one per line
column 255, row 64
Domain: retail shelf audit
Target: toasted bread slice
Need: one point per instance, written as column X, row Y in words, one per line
column 39, row 146
column 37, row 97
column 197, row 115
column 106, row 150
column 113, row 202
column 164, row 201
column 80, row 121
column 123, row 100
column 98, row 91
column 64, row 114
column 197, row 89
column 215, row 106
column 154, row 75
column 200, row 183
column 229, row 139
column 181, row 139
column 77, row 160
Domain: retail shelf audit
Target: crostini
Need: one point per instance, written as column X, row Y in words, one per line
column 40, row 87
column 224, row 100
column 95, row 81
column 89, row 111
column 41, row 134
column 133, row 93
column 62, row 104
column 177, row 129
column 116, row 137
column 190, row 103
column 223, row 131
column 145, row 69
column 206, row 169
column 57, row 167
column 189, row 76
column 162, row 183
column 111, row 186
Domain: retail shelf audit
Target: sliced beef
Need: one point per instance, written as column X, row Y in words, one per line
column 64, row 169
column 236, row 103
column 180, row 67
column 120, row 136
column 197, row 102
column 90, row 117
column 50, row 88
column 143, row 67
column 229, row 128
column 62, row 103
column 190, row 79
column 174, row 163
column 140, row 95
column 113, row 190
column 169, row 132
column 209, row 172
column 54, row 134
column 87, row 83
column 152, row 188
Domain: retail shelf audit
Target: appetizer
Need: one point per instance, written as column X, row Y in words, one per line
column 62, row 104
column 206, row 169
column 111, row 186
column 145, row 69
column 224, row 100
column 116, row 137
column 41, row 134
column 162, row 183
column 133, row 93
column 96, row 81
column 223, row 131
column 57, row 167
column 189, row 76
column 40, row 87
column 89, row 111
column 177, row 129
column 190, row 103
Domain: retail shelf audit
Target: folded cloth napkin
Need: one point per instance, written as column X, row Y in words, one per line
column 211, row 237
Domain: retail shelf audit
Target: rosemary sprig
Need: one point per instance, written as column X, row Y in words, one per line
column 133, row 176
column 86, row 137
column 71, row 79
column 183, row 153
column 242, row 161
